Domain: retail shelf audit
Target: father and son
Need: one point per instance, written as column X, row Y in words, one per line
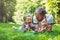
column 40, row 22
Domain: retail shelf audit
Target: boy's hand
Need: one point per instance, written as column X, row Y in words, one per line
column 27, row 26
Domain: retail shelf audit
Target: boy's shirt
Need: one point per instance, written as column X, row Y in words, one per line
column 24, row 25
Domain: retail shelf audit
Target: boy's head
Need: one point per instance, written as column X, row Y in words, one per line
column 40, row 13
column 27, row 18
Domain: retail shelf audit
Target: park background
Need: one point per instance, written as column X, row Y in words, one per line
column 11, row 14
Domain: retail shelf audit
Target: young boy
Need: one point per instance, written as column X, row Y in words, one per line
column 27, row 24
column 40, row 19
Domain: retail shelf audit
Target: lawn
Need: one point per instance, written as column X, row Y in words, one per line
column 7, row 33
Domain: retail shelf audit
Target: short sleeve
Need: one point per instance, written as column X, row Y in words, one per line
column 49, row 18
column 34, row 20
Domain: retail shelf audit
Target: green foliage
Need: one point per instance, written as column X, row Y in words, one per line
column 51, row 7
column 29, row 6
column 23, row 7
column 13, row 10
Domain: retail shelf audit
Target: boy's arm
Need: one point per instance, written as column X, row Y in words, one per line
column 44, row 22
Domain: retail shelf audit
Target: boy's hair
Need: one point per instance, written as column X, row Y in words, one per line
column 41, row 11
column 26, row 15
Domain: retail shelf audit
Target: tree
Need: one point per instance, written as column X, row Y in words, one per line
column 7, row 10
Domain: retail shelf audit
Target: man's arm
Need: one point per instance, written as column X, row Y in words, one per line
column 50, row 21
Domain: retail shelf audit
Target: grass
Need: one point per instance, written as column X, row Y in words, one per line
column 7, row 33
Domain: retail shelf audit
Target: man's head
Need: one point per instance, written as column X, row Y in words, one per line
column 27, row 18
column 40, row 13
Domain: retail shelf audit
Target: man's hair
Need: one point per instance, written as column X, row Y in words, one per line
column 41, row 11
column 26, row 15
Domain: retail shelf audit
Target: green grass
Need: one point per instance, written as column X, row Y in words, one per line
column 7, row 33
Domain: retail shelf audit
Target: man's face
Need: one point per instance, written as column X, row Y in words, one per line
column 38, row 16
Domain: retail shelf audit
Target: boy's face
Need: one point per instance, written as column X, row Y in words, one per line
column 28, row 20
column 38, row 16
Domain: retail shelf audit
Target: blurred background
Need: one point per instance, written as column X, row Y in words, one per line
column 11, row 15
column 13, row 10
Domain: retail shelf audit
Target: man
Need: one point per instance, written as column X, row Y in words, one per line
column 39, row 16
